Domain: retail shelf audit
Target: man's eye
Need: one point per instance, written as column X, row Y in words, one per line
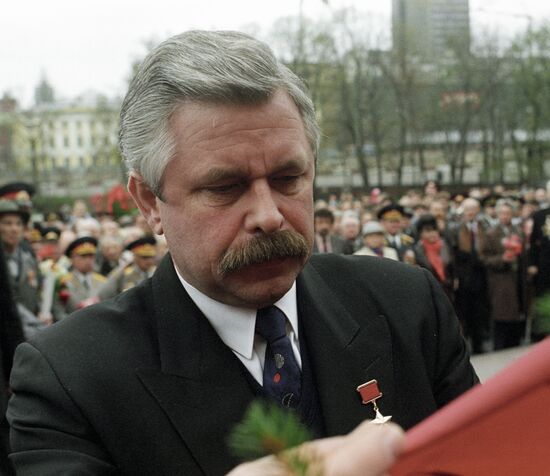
column 224, row 189
column 287, row 183
column 287, row 179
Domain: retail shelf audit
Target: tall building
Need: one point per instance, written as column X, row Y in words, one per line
column 429, row 27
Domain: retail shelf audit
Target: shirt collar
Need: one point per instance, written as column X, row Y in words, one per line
column 236, row 325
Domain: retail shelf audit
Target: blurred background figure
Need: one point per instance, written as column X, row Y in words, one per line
column 502, row 252
column 11, row 335
column 373, row 242
column 326, row 241
column 79, row 287
column 391, row 219
column 432, row 253
column 109, row 256
column 351, row 231
column 471, row 300
column 539, row 264
column 144, row 252
column 23, row 272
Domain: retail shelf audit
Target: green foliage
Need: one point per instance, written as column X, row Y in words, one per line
column 269, row 430
column 541, row 324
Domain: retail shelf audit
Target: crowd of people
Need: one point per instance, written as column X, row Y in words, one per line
column 487, row 248
column 64, row 260
column 483, row 247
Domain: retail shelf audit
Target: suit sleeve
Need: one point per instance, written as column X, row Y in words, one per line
column 49, row 435
column 453, row 373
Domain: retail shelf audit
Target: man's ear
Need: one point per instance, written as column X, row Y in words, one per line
column 146, row 201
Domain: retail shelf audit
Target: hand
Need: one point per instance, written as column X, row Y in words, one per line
column 369, row 450
column 532, row 270
column 45, row 317
column 508, row 257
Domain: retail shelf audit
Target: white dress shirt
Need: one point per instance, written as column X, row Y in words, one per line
column 236, row 327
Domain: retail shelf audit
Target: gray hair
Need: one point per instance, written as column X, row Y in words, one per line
column 220, row 67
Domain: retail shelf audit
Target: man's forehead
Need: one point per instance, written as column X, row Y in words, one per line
column 7, row 217
column 219, row 117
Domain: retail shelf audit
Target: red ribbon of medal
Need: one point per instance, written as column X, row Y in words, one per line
column 369, row 394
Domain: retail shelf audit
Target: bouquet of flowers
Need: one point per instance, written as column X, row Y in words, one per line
column 512, row 247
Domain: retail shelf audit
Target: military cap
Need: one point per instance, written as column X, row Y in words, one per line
column 35, row 234
column 18, row 191
column 458, row 197
column 53, row 216
column 51, row 233
column 372, row 227
column 490, row 200
column 86, row 245
column 426, row 221
column 9, row 207
column 393, row 211
column 144, row 247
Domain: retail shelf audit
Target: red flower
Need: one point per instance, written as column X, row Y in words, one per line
column 64, row 295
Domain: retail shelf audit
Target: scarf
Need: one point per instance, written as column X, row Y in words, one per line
column 433, row 253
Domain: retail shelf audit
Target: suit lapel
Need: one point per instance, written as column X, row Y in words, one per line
column 201, row 385
column 344, row 354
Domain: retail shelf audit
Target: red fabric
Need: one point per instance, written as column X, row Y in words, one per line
column 433, row 253
column 499, row 428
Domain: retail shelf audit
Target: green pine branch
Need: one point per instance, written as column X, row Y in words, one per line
column 267, row 429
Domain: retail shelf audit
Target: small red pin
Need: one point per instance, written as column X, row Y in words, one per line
column 369, row 394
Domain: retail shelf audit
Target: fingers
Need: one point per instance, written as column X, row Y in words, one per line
column 268, row 466
column 370, row 450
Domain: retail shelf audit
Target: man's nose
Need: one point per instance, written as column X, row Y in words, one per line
column 263, row 215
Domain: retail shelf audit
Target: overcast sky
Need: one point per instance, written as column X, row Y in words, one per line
column 85, row 45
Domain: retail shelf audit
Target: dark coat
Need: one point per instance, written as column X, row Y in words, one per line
column 142, row 384
column 469, row 269
column 11, row 333
column 540, row 250
column 506, row 280
column 337, row 243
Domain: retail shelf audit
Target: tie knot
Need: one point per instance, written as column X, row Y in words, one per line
column 271, row 323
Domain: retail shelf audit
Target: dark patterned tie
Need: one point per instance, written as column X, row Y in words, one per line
column 282, row 376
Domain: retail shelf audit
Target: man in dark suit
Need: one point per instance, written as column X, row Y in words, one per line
column 325, row 239
column 153, row 381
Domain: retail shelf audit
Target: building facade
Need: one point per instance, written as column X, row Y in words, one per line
column 66, row 147
column 430, row 27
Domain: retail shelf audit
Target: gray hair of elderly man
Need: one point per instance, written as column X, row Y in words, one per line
column 215, row 67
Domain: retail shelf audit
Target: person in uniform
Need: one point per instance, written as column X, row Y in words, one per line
column 391, row 219
column 79, row 287
column 53, row 265
column 21, row 194
column 25, row 279
column 144, row 252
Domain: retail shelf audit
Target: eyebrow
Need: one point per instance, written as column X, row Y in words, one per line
column 220, row 174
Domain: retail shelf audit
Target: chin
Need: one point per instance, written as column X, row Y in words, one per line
column 256, row 292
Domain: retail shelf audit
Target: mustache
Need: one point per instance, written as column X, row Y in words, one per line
column 282, row 244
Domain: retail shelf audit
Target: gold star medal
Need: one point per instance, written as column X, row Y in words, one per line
column 369, row 394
